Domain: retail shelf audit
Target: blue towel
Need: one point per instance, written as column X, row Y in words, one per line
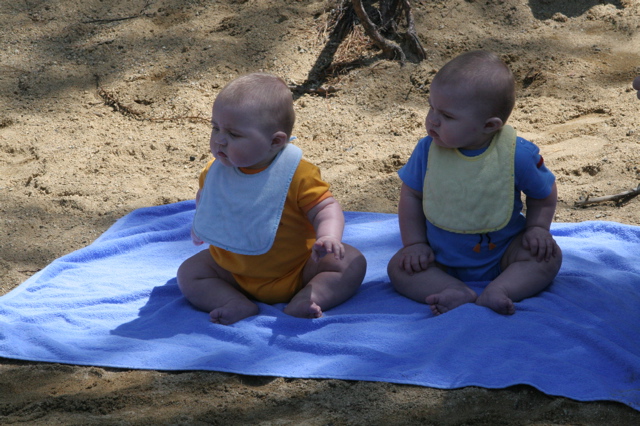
column 116, row 303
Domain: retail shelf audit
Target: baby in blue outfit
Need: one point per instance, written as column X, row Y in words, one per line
column 460, row 209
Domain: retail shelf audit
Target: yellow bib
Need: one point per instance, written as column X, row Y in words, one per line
column 471, row 195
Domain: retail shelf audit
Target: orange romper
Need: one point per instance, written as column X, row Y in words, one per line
column 276, row 276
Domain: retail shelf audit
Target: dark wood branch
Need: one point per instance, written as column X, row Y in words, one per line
column 390, row 49
column 389, row 13
column 412, row 37
column 619, row 199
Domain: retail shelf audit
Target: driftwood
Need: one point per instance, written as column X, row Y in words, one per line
column 391, row 50
column 379, row 24
column 389, row 13
column 619, row 199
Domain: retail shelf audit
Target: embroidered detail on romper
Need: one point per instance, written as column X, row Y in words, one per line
column 478, row 247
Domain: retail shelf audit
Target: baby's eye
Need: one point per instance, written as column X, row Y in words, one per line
column 233, row 135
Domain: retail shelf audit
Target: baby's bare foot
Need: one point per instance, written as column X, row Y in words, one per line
column 449, row 299
column 303, row 309
column 233, row 311
column 498, row 301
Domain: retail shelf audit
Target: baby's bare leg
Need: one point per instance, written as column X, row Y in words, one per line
column 522, row 277
column 212, row 289
column 435, row 287
column 328, row 283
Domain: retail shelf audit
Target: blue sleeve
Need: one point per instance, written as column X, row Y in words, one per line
column 532, row 176
column 412, row 174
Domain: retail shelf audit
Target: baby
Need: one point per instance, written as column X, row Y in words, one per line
column 273, row 226
column 460, row 208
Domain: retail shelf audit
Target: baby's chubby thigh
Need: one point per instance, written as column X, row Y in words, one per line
column 352, row 266
column 524, row 275
column 517, row 252
column 331, row 280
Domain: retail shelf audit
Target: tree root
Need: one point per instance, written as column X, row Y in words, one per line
column 380, row 25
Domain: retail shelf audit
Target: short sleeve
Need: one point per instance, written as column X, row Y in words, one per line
column 412, row 174
column 203, row 173
column 308, row 185
column 533, row 177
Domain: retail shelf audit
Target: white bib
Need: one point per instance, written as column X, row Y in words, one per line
column 241, row 212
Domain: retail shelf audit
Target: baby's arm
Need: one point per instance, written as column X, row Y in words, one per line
column 537, row 236
column 636, row 85
column 328, row 221
column 416, row 254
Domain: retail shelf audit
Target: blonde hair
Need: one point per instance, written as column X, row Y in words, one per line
column 487, row 77
column 265, row 96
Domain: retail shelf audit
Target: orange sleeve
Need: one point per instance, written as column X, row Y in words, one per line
column 311, row 205
column 311, row 188
column 203, row 173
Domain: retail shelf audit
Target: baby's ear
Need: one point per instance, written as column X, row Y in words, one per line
column 279, row 139
column 493, row 124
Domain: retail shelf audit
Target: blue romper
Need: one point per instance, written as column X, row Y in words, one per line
column 455, row 250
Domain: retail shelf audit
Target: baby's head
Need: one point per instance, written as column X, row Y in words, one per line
column 252, row 120
column 265, row 97
column 487, row 80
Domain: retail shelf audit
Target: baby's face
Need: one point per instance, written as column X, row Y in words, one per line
column 238, row 139
column 454, row 119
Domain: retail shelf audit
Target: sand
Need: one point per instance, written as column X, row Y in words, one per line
column 105, row 109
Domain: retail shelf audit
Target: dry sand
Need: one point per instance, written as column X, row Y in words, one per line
column 104, row 109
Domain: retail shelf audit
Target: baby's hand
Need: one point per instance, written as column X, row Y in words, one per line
column 197, row 241
column 416, row 258
column 325, row 245
column 540, row 243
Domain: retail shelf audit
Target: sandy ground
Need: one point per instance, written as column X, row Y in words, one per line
column 104, row 109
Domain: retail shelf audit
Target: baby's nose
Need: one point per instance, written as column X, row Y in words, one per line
column 218, row 140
